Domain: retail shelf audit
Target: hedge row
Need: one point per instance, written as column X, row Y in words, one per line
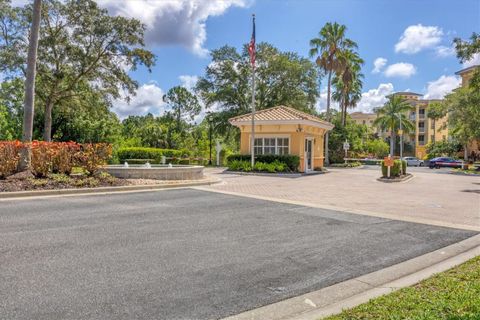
column 246, row 166
column 291, row 161
column 153, row 154
column 395, row 170
column 53, row 157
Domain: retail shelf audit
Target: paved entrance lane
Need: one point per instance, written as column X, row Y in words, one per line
column 185, row 254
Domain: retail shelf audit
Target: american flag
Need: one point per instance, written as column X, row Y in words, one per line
column 251, row 46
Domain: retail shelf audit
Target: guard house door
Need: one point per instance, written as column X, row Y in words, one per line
column 308, row 154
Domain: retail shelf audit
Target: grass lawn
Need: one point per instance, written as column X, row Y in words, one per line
column 452, row 295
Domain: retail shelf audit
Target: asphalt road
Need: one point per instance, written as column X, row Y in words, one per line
column 185, row 254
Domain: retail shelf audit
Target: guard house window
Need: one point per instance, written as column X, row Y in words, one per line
column 258, row 148
column 282, row 146
column 271, row 146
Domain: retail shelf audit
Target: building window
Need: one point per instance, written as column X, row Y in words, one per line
column 421, row 140
column 421, row 126
column 421, row 113
column 258, row 148
column 282, row 145
column 363, row 121
column 271, row 146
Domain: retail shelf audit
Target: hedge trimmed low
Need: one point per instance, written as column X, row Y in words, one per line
column 395, row 170
column 291, row 161
column 156, row 154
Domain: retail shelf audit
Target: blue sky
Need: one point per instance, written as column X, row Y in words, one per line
column 411, row 40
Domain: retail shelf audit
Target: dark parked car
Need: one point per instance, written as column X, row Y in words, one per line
column 444, row 162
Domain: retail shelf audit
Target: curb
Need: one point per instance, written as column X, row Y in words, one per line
column 408, row 177
column 103, row 190
column 348, row 294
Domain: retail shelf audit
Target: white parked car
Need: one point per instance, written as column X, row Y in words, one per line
column 413, row 161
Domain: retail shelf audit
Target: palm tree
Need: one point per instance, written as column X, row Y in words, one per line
column 331, row 41
column 391, row 114
column 25, row 153
column 436, row 111
column 348, row 82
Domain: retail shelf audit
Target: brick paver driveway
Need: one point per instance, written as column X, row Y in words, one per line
column 444, row 199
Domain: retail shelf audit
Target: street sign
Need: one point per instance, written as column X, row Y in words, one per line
column 400, row 132
column 388, row 162
column 346, row 145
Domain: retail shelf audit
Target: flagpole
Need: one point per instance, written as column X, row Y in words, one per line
column 253, row 108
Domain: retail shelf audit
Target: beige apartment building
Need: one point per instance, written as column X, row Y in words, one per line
column 426, row 130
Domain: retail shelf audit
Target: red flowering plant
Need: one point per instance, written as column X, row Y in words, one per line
column 92, row 156
column 43, row 154
column 65, row 156
column 9, row 157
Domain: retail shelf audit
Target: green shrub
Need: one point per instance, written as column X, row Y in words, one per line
column 377, row 147
column 155, row 154
column 395, row 170
column 243, row 165
column 346, row 165
column 291, row 161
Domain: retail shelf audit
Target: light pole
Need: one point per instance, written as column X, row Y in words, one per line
column 209, row 117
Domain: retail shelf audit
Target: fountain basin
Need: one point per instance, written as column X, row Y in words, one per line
column 157, row 172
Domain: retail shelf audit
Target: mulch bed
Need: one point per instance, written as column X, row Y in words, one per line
column 56, row 182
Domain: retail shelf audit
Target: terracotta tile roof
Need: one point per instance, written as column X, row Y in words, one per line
column 407, row 93
column 467, row 69
column 280, row 113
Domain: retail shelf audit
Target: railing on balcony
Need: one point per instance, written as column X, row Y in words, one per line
column 421, row 116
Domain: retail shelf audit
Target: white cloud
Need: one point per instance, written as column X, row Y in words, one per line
column 443, row 51
column 148, row 98
column 472, row 62
column 321, row 104
column 188, row 81
column 378, row 64
column 374, row 98
column 418, row 37
column 179, row 22
column 439, row 88
column 401, row 69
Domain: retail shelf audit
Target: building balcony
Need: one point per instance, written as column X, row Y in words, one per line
column 421, row 116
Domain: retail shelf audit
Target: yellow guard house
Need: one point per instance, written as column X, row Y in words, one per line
column 284, row 130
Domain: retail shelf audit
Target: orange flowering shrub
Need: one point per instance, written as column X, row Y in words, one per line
column 65, row 157
column 9, row 157
column 54, row 157
column 92, row 156
column 42, row 158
